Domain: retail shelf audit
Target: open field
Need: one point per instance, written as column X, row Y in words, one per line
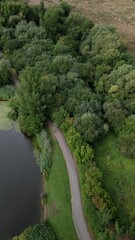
column 120, row 14
column 118, row 177
column 58, row 202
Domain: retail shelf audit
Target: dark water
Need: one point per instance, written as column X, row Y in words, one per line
column 20, row 185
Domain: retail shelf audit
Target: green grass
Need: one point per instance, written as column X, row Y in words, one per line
column 58, row 202
column 5, row 122
column 118, row 177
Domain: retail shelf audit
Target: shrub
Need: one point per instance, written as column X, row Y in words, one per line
column 100, row 198
column 41, row 231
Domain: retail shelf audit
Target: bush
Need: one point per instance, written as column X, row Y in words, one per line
column 83, row 152
column 100, row 198
column 41, row 231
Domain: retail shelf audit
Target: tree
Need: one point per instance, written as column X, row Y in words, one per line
column 31, row 101
column 90, row 126
column 41, row 11
column 114, row 114
column 53, row 21
column 12, row 12
column 62, row 63
column 77, row 24
column 29, row 31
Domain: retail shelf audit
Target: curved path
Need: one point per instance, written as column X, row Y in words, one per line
column 77, row 210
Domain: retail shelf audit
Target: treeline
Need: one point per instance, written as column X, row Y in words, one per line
column 80, row 76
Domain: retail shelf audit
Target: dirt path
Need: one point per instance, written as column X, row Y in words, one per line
column 77, row 210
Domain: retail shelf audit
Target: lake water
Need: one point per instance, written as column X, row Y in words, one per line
column 20, row 185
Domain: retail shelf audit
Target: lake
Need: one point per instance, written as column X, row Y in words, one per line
column 20, row 185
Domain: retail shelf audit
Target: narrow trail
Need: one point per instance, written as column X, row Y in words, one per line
column 77, row 211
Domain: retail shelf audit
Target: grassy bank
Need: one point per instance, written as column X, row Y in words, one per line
column 5, row 122
column 118, row 177
column 58, row 202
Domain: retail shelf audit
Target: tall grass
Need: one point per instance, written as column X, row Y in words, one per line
column 42, row 152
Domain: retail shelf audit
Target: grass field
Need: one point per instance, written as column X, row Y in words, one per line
column 58, row 203
column 118, row 177
column 120, row 14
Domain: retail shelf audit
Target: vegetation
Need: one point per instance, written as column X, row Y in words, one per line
column 40, row 231
column 117, row 13
column 6, row 92
column 58, row 201
column 5, row 122
column 32, row 116
column 43, row 152
column 118, row 177
column 82, row 77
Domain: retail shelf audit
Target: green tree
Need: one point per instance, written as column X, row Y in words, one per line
column 41, row 11
column 53, row 21
column 31, row 101
column 90, row 126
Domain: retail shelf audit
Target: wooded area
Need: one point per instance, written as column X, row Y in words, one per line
column 82, row 77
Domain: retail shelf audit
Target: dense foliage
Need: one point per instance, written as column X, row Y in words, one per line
column 82, row 77
column 40, row 231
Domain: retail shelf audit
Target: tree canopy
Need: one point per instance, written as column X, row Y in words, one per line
column 78, row 74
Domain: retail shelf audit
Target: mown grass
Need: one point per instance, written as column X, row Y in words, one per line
column 118, row 177
column 59, row 197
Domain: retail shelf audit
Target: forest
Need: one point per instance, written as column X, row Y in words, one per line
column 83, row 78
